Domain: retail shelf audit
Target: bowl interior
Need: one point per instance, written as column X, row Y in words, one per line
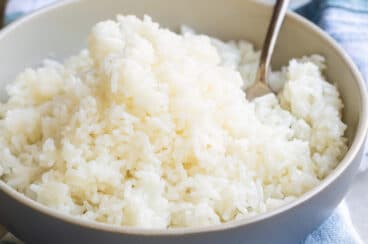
column 62, row 31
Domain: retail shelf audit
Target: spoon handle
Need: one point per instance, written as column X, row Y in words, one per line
column 274, row 27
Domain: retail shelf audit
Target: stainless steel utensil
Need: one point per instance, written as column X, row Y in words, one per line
column 260, row 86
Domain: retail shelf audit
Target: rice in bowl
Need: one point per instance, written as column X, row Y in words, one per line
column 152, row 129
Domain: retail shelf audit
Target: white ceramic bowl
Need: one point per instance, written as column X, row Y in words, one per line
column 61, row 30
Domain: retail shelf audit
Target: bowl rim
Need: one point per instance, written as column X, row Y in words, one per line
column 353, row 150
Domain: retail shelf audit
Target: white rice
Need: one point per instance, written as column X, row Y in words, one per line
column 152, row 129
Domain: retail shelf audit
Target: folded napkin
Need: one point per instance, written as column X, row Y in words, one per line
column 337, row 229
column 347, row 22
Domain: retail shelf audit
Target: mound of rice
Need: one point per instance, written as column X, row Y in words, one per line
column 152, row 129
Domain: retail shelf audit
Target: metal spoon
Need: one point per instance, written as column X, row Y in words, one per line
column 260, row 86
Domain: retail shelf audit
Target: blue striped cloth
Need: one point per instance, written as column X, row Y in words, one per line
column 347, row 22
column 344, row 20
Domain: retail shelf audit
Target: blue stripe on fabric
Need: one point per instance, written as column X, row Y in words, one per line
column 345, row 21
column 332, row 231
column 351, row 5
column 11, row 17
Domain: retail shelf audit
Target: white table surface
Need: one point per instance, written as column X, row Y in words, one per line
column 357, row 200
